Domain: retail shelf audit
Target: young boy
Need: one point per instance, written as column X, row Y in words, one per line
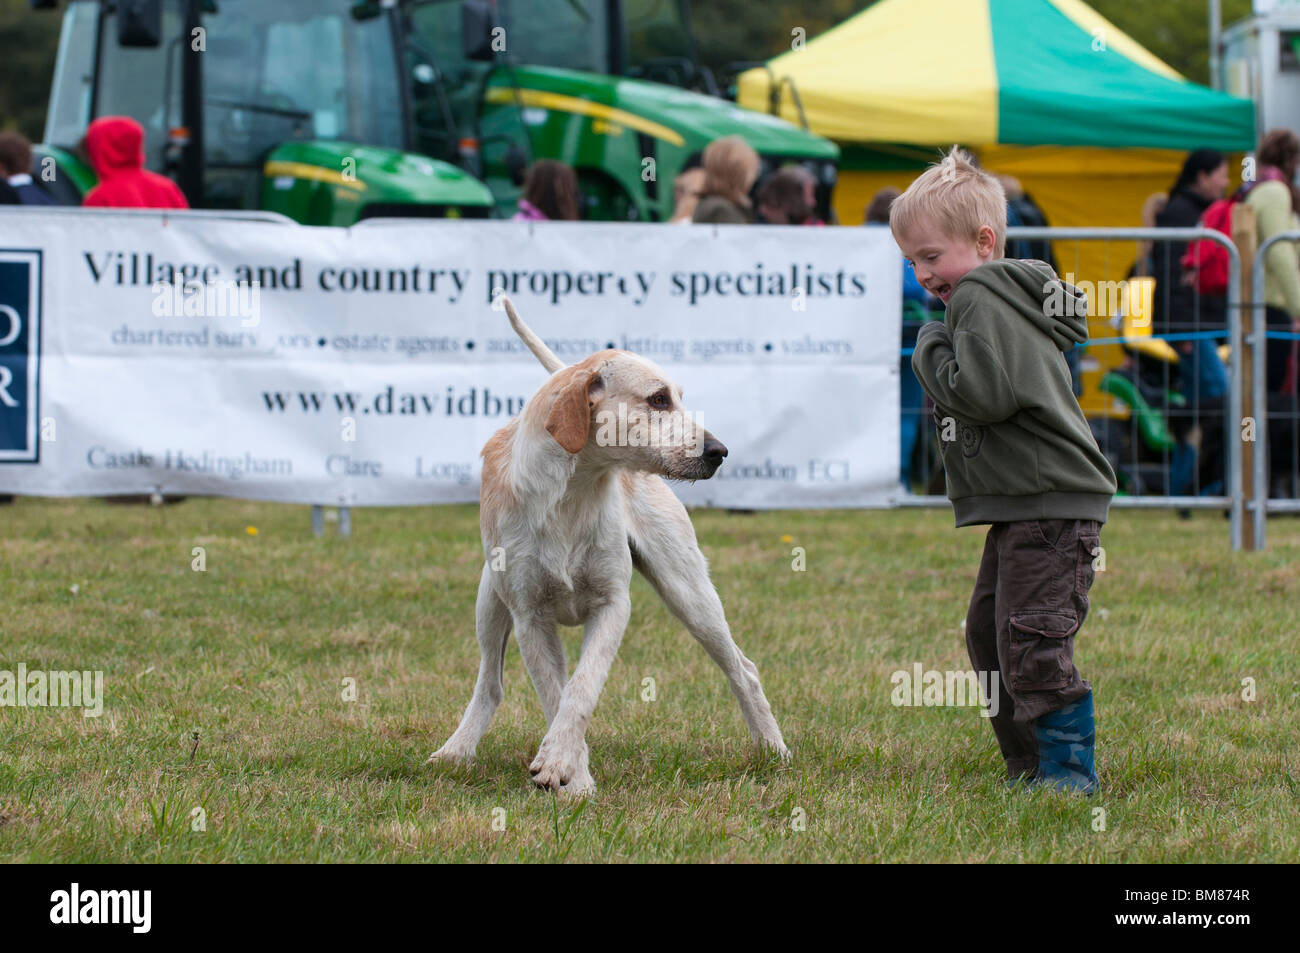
column 1018, row 454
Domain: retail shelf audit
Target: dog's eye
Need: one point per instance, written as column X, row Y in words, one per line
column 659, row 401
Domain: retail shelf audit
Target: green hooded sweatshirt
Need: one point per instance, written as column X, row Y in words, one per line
column 1015, row 444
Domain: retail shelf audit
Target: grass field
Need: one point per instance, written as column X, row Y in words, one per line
column 252, row 653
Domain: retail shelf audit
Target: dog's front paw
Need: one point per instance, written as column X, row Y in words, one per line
column 775, row 748
column 583, row 785
column 450, row 755
column 562, row 769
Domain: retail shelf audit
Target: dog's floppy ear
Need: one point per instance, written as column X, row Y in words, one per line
column 570, row 417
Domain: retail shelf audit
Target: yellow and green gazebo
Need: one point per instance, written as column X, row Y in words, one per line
column 997, row 72
column 1047, row 91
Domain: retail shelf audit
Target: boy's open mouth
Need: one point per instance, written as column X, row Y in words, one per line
column 941, row 291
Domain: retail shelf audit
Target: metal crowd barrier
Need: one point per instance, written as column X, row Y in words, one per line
column 229, row 215
column 1267, row 476
column 1231, row 496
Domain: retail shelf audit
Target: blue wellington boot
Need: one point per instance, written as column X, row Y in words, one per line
column 1065, row 748
column 1025, row 780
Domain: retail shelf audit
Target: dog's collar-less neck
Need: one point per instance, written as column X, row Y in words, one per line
column 587, row 483
column 544, row 473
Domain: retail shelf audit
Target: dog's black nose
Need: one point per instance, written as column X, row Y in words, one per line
column 714, row 451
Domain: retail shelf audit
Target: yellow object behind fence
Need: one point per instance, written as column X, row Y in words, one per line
column 1135, row 321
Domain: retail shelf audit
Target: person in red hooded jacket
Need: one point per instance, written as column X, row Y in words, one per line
column 115, row 145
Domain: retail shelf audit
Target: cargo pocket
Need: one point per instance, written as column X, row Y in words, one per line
column 1049, row 533
column 1042, row 655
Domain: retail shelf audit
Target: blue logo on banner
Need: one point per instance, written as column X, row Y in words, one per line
column 20, row 354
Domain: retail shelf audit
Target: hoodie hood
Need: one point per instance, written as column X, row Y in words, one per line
column 1032, row 290
column 115, row 144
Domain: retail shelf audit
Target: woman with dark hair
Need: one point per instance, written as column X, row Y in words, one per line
column 1275, row 199
column 550, row 193
column 1202, row 181
column 1177, row 308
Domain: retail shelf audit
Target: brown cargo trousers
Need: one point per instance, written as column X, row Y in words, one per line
column 1030, row 598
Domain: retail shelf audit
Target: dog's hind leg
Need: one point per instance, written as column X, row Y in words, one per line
column 665, row 552
column 492, row 623
column 543, row 654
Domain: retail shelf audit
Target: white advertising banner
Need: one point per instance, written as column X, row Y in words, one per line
column 207, row 355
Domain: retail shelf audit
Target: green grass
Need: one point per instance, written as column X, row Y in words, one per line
column 251, row 654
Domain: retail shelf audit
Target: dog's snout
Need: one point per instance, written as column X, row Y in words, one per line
column 714, row 451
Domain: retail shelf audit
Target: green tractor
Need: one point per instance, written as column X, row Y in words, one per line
column 613, row 88
column 291, row 106
column 332, row 111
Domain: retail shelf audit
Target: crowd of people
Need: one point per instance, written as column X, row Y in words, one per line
column 717, row 191
column 1189, row 300
column 114, row 147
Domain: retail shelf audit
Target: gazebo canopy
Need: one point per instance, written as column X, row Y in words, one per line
column 997, row 72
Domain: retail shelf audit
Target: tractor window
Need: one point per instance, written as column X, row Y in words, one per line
column 272, row 73
column 69, row 109
column 659, row 45
column 571, row 34
column 295, row 70
column 438, row 68
column 142, row 82
column 655, row 31
column 294, row 52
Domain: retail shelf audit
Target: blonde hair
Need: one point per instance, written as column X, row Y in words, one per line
column 730, row 169
column 957, row 197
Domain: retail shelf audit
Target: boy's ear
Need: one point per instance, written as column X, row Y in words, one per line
column 986, row 242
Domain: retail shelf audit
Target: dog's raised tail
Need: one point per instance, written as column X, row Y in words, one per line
column 539, row 349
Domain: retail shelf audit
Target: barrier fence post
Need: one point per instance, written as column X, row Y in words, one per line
column 1243, row 236
column 1264, row 450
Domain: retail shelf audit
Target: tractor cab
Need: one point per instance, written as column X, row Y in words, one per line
column 296, row 106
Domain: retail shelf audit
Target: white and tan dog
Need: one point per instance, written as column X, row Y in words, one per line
column 567, row 510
